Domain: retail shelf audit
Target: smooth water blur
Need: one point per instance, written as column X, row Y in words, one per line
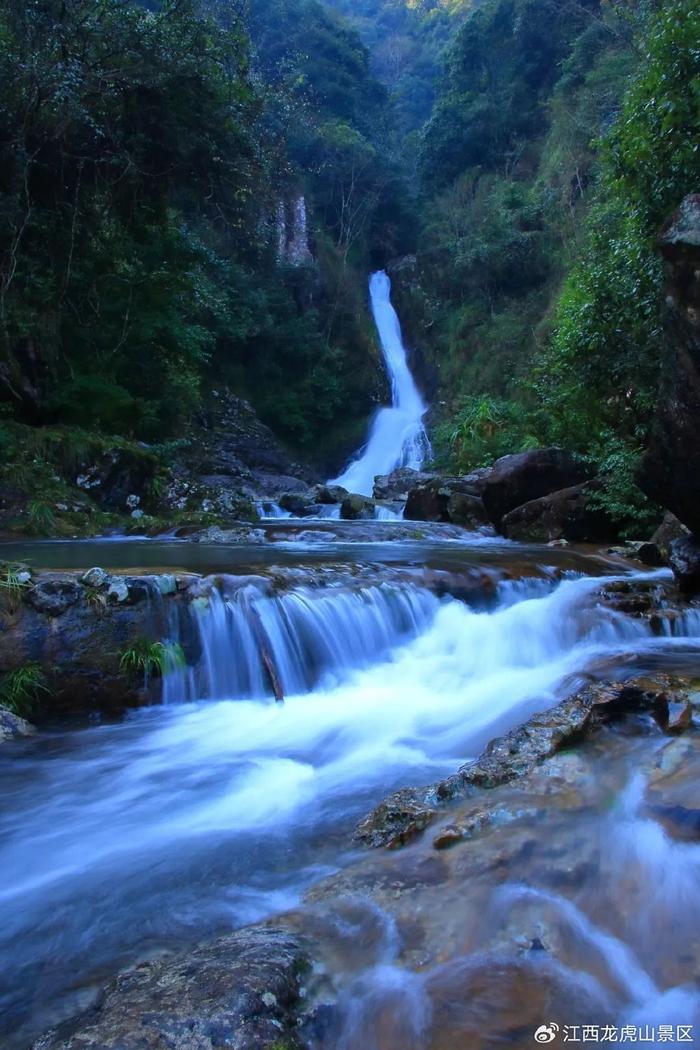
column 191, row 818
column 397, row 437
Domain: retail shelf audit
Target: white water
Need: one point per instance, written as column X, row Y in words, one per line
column 120, row 839
column 397, row 436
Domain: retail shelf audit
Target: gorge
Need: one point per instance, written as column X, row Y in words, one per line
column 407, row 759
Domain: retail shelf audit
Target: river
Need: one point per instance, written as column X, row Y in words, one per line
column 219, row 806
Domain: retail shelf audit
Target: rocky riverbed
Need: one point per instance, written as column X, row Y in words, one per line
column 529, row 898
column 235, row 854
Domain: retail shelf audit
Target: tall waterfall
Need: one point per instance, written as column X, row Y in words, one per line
column 397, row 437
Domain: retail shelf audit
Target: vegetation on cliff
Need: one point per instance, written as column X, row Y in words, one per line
column 192, row 194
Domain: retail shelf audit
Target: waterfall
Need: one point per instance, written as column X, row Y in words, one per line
column 253, row 644
column 397, row 437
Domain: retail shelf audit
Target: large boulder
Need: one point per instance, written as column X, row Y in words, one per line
column 241, row 991
column 300, row 504
column 669, row 530
column 569, row 514
column 455, row 500
column 525, row 476
column 397, row 485
column 357, row 508
column 329, row 494
column 670, row 471
column 684, row 559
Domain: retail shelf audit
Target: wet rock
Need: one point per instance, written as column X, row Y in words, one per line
column 329, row 494
column 569, row 514
column 670, row 469
column 312, row 536
column 648, row 552
column 523, row 748
column 679, row 822
column 166, row 584
column 216, row 534
column 397, row 820
column 118, row 589
column 76, row 632
column 466, row 510
column 526, row 476
column 641, row 550
column 300, row 504
column 95, row 577
column 669, row 530
column 454, row 500
column 397, row 485
column 357, row 508
column 241, row 991
column 272, row 485
column 406, row 813
column 448, row 836
column 684, row 559
column 13, row 727
column 640, row 598
column 679, row 716
column 54, row 593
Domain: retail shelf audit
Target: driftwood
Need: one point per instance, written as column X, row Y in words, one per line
column 268, row 659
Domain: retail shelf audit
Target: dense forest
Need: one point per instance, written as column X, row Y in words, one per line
column 193, row 193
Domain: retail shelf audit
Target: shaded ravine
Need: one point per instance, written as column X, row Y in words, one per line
column 189, row 819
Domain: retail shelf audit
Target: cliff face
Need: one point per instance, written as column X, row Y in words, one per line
column 670, row 471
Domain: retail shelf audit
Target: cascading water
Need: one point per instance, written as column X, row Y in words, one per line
column 302, row 638
column 397, row 437
column 186, row 819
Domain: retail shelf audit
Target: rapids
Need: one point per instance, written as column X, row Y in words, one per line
column 220, row 806
column 397, row 437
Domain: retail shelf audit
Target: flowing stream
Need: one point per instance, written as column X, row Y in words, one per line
column 219, row 806
column 397, row 437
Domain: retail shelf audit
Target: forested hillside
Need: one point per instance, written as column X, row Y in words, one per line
column 193, row 193
column 152, row 161
column 561, row 138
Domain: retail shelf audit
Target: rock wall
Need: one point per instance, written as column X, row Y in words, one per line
column 670, row 471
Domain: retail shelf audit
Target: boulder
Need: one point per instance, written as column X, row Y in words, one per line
column 684, row 559
column 466, row 510
column 396, row 486
column 669, row 530
column 397, row 820
column 329, row 494
column 670, row 469
column 241, row 991
column 526, row 476
column 12, row 727
column 357, row 508
column 300, row 504
column 452, row 499
column 54, row 593
column 568, row 514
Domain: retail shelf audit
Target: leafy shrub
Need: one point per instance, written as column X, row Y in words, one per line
column 484, row 429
